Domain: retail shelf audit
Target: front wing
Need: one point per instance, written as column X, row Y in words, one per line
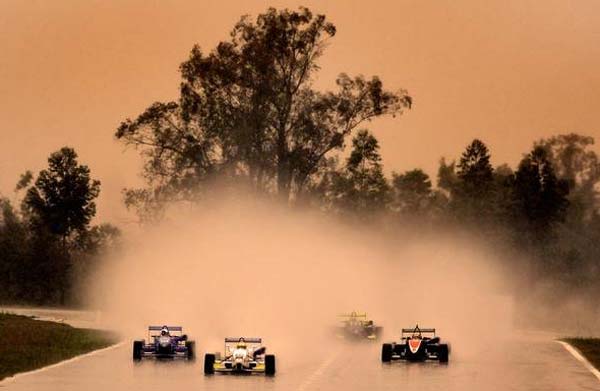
column 229, row 367
column 401, row 352
column 150, row 351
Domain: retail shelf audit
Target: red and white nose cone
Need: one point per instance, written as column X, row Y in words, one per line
column 414, row 345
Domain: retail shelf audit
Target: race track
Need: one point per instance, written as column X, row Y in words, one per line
column 524, row 361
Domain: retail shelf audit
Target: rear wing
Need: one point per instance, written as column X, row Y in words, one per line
column 354, row 315
column 418, row 330
column 247, row 340
column 171, row 328
column 231, row 342
column 421, row 330
column 154, row 331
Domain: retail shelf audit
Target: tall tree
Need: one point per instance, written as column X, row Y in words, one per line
column 572, row 158
column 475, row 170
column 575, row 162
column 361, row 187
column 501, row 204
column 412, row 191
column 540, row 197
column 472, row 194
column 575, row 241
column 447, row 179
column 13, row 253
column 248, row 109
column 62, row 198
column 60, row 206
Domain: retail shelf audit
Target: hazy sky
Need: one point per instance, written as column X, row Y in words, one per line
column 508, row 72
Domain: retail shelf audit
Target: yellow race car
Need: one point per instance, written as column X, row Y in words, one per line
column 356, row 325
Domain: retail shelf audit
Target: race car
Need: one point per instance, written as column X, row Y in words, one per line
column 164, row 342
column 416, row 345
column 242, row 355
column 355, row 325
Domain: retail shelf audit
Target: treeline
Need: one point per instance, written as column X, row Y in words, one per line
column 545, row 213
column 248, row 113
column 48, row 244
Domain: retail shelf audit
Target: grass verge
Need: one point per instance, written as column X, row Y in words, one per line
column 27, row 344
column 589, row 348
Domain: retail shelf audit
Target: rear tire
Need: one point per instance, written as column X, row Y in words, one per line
column 386, row 352
column 269, row 365
column 209, row 364
column 191, row 350
column 138, row 347
column 443, row 352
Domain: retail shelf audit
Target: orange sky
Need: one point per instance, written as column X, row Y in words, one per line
column 509, row 72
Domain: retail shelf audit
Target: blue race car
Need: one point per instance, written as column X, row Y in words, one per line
column 164, row 342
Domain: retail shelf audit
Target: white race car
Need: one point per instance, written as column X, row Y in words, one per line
column 242, row 355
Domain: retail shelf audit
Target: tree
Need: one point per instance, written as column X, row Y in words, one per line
column 579, row 166
column 13, row 253
column 59, row 206
column 501, row 204
column 361, row 188
column 472, row 194
column 571, row 158
column 178, row 154
column 412, row 191
column 62, row 198
column 475, row 171
column 474, row 167
column 540, row 197
column 99, row 238
column 447, row 179
column 575, row 238
column 248, row 110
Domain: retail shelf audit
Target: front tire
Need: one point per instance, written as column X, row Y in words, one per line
column 190, row 350
column 138, row 347
column 443, row 353
column 209, row 364
column 269, row 365
column 386, row 352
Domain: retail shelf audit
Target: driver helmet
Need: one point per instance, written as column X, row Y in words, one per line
column 241, row 344
column 164, row 331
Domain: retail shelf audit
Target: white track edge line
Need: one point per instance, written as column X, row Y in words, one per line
column 59, row 364
column 575, row 353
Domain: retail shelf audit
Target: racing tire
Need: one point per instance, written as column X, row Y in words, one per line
column 138, row 347
column 209, row 364
column 190, row 350
column 443, row 352
column 386, row 352
column 269, row 365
